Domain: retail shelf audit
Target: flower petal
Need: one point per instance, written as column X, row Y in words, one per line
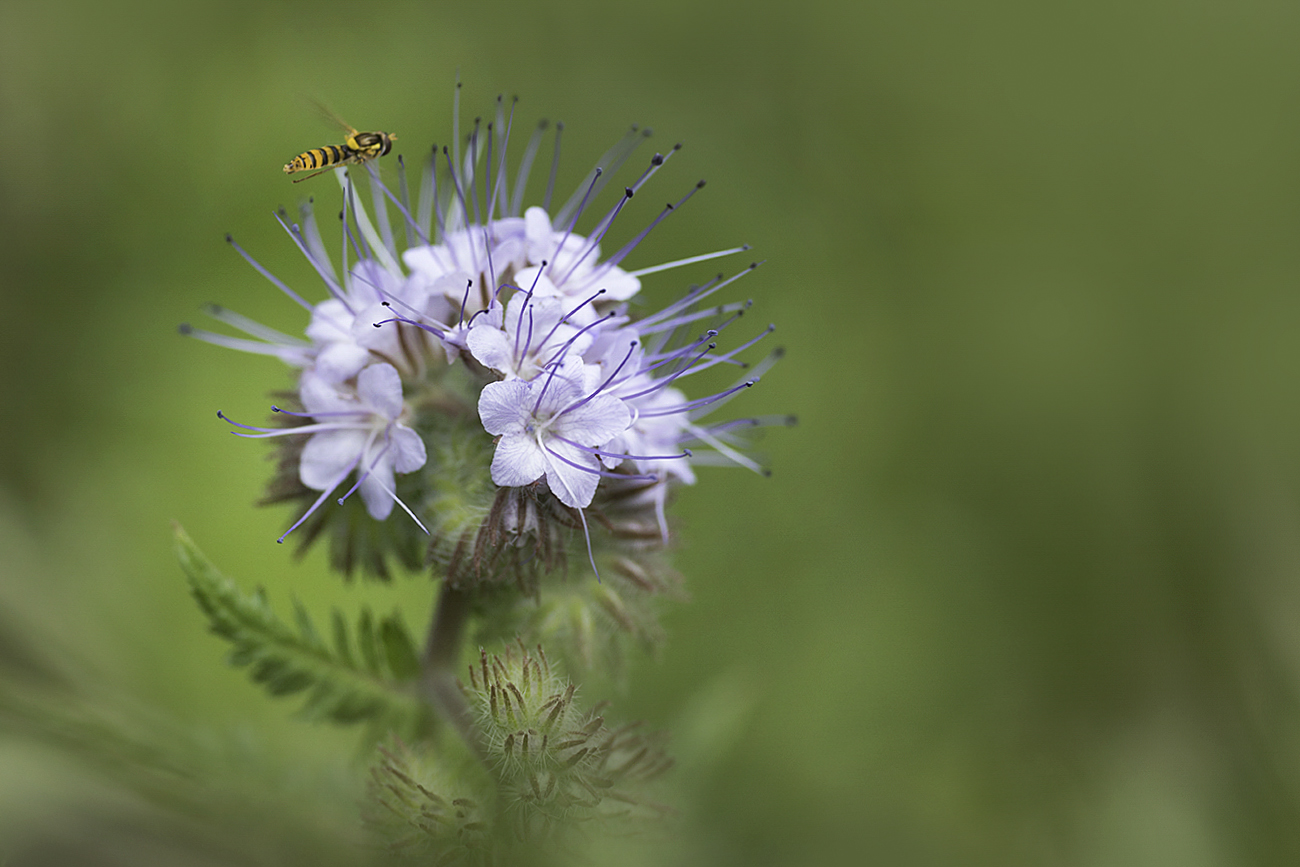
column 380, row 388
column 328, row 455
column 501, row 406
column 518, row 461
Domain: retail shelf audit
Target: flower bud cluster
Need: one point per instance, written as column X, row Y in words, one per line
column 555, row 763
column 419, row 809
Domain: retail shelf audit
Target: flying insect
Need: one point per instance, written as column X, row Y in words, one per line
column 357, row 148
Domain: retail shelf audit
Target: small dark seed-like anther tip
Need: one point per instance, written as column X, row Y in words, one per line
column 185, row 328
column 701, row 184
column 791, row 420
column 627, row 192
column 678, row 146
column 744, row 247
column 559, row 124
column 779, row 352
column 767, row 474
column 279, row 541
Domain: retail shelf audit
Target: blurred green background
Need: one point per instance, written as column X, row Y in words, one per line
column 1025, row 586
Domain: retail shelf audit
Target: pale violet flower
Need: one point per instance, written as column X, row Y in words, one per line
column 511, row 311
column 353, row 431
column 525, row 336
column 549, row 428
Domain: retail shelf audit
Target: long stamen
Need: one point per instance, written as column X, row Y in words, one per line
column 688, row 318
column 611, row 160
column 726, row 357
column 631, row 349
column 606, row 474
column 654, row 269
column 472, row 170
column 428, row 192
column 596, row 173
column 324, row 494
column 411, row 228
column 460, row 195
column 292, row 353
column 696, row 404
column 593, row 243
column 559, row 353
column 679, row 354
column 377, row 191
column 309, row 232
column 686, row 453
column 267, row 274
column 555, row 167
column 640, row 236
column 525, row 168
column 403, row 207
column 656, row 162
column 736, row 457
column 439, row 331
column 661, row 384
column 695, row 296
column 501, row 195
column 251, row 326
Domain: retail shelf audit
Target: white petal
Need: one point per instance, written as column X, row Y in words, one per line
column 596, row 422
column 339, row 362
column 538, row 232
column 327, row 455
column 491, row 346
column 518, row 461
column 424, row 261
column 380, row 388
column 572, row 486
column 382, row 339
column 320, row 395
column 453, row 286
column 501, row 406
column 407, row 449
column 330, row 322
column 617, row 283
column 379, row 502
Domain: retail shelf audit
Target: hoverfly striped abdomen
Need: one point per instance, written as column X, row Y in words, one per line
column 358, row 148
column 320, row 158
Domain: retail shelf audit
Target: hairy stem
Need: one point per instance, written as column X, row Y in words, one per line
column 441, row 654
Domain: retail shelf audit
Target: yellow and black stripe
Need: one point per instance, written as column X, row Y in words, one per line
column 360, row 147
column 321, row 158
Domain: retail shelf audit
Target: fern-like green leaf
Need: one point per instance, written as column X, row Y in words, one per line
column 342, row 685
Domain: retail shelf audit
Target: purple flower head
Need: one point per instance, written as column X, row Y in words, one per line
column 521, row 318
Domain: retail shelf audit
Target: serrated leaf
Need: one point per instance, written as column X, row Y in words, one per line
column 367, row 642
column 342, row 644
column 286, row 660
column 399, row 649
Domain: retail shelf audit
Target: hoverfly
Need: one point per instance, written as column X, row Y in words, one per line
column 357, row 148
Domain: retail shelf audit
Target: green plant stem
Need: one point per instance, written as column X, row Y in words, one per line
column 441, row 656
